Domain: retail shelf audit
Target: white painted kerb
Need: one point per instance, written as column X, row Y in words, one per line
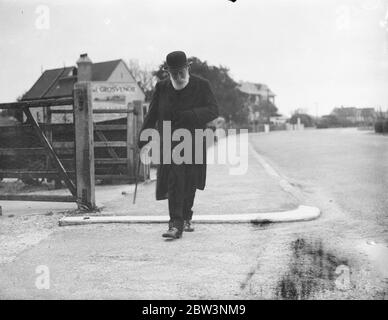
column 302, row 213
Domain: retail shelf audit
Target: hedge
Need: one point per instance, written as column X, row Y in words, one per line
column 381, row 126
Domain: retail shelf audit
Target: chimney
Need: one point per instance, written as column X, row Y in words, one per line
column 84, row 68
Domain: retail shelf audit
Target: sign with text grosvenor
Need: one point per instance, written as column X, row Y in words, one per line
column 112, row 95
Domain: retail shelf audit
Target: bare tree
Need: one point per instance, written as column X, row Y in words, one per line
column 143, row 76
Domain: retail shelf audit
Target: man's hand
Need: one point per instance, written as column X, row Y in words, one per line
column 141, row 144
column 144, row 154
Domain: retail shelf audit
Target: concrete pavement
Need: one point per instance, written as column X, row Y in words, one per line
column 257, row 195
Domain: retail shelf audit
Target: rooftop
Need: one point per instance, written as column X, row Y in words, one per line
column 255, row 89
column 56, row 83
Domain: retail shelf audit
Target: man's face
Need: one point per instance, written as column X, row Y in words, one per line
column 179, row 76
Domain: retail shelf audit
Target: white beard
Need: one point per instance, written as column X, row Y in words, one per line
column 180, row 86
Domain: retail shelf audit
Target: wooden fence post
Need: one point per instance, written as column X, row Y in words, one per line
column 84, row 145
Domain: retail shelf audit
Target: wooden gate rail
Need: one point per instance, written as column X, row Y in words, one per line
column 33, row 151
column 20, row 174
column 37, row 197
column 37, row 103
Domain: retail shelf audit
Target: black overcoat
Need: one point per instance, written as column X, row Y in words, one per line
column 198, row 99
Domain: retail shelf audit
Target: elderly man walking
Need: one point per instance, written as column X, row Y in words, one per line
column 187, row 102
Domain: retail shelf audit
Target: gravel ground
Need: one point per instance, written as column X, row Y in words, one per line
column 283, row 261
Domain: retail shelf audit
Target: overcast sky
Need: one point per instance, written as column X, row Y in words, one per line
column 314, row 54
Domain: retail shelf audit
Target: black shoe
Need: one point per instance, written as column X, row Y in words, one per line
column 173, row 233
column 187, row 227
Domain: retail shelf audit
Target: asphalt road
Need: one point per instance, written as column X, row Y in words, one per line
column 348, row 166
column 345, row 173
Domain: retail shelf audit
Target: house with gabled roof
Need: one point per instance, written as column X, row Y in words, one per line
column 255, row 94
column 59, row 83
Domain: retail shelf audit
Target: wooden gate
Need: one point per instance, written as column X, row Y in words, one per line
column 74, row 161
column 45, row 146
column 114, row 143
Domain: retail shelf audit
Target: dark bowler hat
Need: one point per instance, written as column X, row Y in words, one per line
column 176, row 60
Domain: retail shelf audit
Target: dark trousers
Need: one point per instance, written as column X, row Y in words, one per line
column 180, row 195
